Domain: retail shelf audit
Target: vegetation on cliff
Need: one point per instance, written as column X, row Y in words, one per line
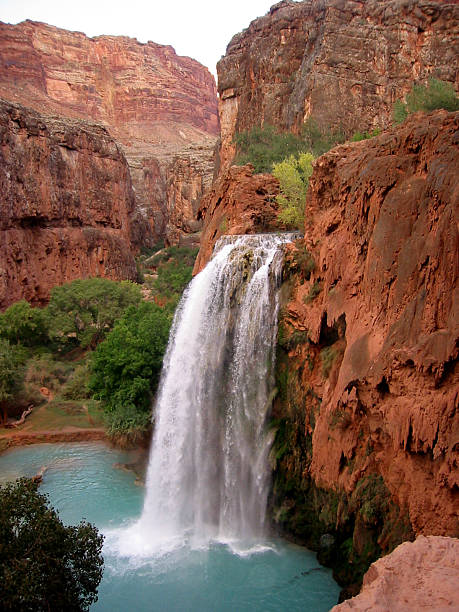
column 426, row 98
column 293, row 175
column 45, row 565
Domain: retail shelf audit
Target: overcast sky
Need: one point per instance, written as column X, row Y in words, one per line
column 198, row 28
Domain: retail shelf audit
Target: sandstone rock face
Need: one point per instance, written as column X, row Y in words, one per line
column 422, row 575
column 342, row 62
column 65, row 206
column 160, row 107
column 381, row 312
column 239, row 202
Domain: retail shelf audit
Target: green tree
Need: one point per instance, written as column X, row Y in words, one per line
column 435, row 95
column 84, row 311
column 20, row 323
column 293, row 175
column 125, row 367
column 45, row 565
column 11, row 375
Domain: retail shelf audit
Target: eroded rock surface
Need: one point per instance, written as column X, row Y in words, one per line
column 342, row 62
column 239, row 202
column 420, row 575
column 65, row 205
column 380, row 310
column 158, row 106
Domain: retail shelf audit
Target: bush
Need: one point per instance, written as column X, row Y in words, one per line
column 174, row 267
column 45, row 565
column 125, row 367
column 265, row 146
column 20, row 323
column 84, row 311
column 293, row 175
column 436, row 95
column 12, row 359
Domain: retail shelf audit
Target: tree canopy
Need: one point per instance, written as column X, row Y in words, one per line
column 45, row 565
column 293, row 175
column 127, row 364
column 85, row 310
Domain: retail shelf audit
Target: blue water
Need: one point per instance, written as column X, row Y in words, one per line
column 81, row 482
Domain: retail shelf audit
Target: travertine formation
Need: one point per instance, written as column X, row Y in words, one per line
column 382, row 228
column 161, row 109
column 239, row 202
column 65, row 206
column 342, row 62
column 422, row 576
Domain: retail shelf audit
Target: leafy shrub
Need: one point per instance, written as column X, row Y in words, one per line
column 125, row 367
column 436, row 95
column 313, row 292
column 12, row 359
column 77, row 385
column 358, row 136
column 293, row 175
column 265, row 146
column 22, row 324
column 84, row 311
column 44, row 564
column 174, row 267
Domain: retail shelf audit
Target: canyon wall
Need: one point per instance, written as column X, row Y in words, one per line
column 341, row 62
column 66, row 204
column 161, row 108
column 365, row 453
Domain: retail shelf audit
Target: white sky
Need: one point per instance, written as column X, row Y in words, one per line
column 198, row 28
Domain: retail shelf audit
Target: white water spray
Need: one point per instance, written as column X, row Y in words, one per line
column 208, row 474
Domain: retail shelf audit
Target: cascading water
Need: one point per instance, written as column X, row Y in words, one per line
column 208, row 474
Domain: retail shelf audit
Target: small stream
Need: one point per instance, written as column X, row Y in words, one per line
column 81, row 482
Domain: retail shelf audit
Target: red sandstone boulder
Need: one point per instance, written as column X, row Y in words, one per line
column 421, row 575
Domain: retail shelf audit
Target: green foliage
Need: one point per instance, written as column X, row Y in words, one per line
column 12, row 358
column 293, row 175
column 77, row 385
column 20, row 323
column 265, row 146
column 85, row 310
column 437, row 94
column 174, row 267
column 318, row 140
column 358, row 136
column 125, row 367
column 328, row 356
column 313, row 292
column 45, row 565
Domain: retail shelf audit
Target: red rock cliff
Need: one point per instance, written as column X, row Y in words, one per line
column 381, row 315
column 157, row 105
column 342, row 62
column 65, row 206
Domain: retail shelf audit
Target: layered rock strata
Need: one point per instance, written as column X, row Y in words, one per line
column 65, row 207
column 344, row 63
column 421, row 576
column 161, row 108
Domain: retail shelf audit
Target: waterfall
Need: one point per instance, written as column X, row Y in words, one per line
column 208, row 473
